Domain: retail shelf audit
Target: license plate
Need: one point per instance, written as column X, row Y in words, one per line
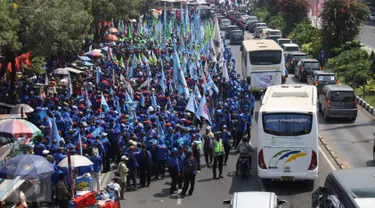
column 287, row 178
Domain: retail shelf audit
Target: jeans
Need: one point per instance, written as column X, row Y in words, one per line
column 207, row 155
column 173, row 172
column 160, row 170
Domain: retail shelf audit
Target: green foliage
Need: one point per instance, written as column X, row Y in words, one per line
column 341, row 20
column 278, row 22
column 261, row 12
column 126, row 9
column 347, row 46
column 353, row 63
column 8, row 26
column 102, row 10
column 294, row 12
column 38, row 65
column 372, row 59
column 304, row 33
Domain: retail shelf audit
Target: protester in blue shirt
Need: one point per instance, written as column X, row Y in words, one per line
column 96, row 168
column 174, row 169
column 226, row 136
column 161, row 159
column 39, row 147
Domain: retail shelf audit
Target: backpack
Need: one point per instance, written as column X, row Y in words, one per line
column 189, row 168
column 242, row 148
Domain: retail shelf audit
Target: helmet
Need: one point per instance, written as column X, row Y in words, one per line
column 174, row 150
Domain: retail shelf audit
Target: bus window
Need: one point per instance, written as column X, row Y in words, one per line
column 287, row 124
column 265, row 57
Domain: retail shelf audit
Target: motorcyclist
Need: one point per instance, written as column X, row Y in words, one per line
column 245, row 149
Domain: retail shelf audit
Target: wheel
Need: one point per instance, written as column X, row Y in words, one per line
column 353, row 119
column 300, row 78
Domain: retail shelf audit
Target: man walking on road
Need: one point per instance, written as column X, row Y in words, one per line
column 207, row 146
column 174, row 169
column 189, row 166
column 218, row 155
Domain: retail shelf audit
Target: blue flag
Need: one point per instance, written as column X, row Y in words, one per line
column 104, row 104
column 54, row 135
column 142, row 100
column 190, row 106
column 203, row 110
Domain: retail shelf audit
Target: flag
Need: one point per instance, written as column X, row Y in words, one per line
column 197, row 93
column 121, row 64
column 190, row 106
column 170, row 88
column 216, row 39
column 142, row 100
column 184, row 84
column 109, row 54
column 159, row 128
column 54, row 135
column 46, row 81
column 212, row 84
column 128, row 98
column 225, row 73
column 88, row 102
column 153, row 101
column 97, row 75
column 70, row 87
column 146, row 83
column 203, row 109
column 104, row 105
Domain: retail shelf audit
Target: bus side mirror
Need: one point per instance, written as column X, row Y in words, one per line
column 281, row 202
column 227, row 201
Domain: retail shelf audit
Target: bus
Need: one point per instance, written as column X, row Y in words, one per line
column 288, row 133
column 262, row 64
column 169, row 4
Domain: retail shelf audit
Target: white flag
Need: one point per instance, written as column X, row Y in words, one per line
column 217, row 38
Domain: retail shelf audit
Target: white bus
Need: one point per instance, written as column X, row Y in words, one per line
column 262, row 64
column 288, row 133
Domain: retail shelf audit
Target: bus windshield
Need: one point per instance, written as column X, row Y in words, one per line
column 265, row 57
column 287, row 124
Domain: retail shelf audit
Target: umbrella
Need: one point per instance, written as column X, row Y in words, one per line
column 76, row 161
column 21, row 107
column 30, row 166
column 113, row 30
column 63, row 71
column 18, row 128
column 84, row 58
column 86, row 63
column 111, row 38
column 94, row 53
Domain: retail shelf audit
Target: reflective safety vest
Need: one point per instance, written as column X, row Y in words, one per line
column 218, row 147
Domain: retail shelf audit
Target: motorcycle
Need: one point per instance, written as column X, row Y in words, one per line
column 244, row 166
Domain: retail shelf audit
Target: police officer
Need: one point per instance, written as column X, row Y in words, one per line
column 174, row 169
column 218, row 151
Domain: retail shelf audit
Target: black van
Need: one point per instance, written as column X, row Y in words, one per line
column 349, row 188
column 338, row 101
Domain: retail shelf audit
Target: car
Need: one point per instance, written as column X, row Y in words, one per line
column 305, row 68
column 290, row 47
column 292, row 60
column 321, row 79
column 273, row 35
column 249, row 198
column 228, row 29
column 258, row 31
column 257, row 24
column 250, row 24
column 282, row 41
column 236, row 37
column 346, row 188
column 224, row 23
column 371, row 17
column 338, row 101
column 264, row 32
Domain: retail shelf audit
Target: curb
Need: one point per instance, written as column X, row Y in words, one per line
column 331, row 153
column 370, row 109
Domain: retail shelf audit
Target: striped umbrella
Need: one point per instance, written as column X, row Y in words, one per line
column 18, row 128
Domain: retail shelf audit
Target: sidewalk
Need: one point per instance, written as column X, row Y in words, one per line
column 315, row 21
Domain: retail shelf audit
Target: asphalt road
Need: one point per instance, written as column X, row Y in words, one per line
column 367, row 35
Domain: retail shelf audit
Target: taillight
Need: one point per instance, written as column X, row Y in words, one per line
column 321, row 67
column 337, row 81
column 314, row 161
column 292, row 61
column 316, row 83
column 329, row 103
column 261, row 163
column 302, row 68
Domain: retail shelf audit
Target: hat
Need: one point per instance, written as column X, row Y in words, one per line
column 208, row 128
column 84, row 124
column 124, row 158
column 104, row 134
column 225, row 126
column 45, row 152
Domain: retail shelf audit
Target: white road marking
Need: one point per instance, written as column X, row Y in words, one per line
column 333, row 167
column 179, row 200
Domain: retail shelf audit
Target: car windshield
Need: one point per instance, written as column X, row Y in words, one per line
column 284, row 41
column 326, row 78
column 236, row 33
column 287, row 124
column 229, row 28
column 342, row 96
column 311, row 64
column 291, row 48
column 275, row 33
column 225, row 22
column 299, row 57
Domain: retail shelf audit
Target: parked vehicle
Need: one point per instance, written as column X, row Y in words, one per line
column 228, row 29
column 264, row 33
column 338, row 101
column 224, row 23
column 321, row 79
column 257, row 24
column 290, row 47
column 352, row 188
column 249, row 198
column 305, row 68
column 244, row 166
column 371, row 17
column 236, row 37
column 250, row 24
column 292, row 60
column 282, row 41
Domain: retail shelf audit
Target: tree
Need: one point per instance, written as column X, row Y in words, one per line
column 341, row 20
column 278, row 22
column 126, row 9
column 261, row 12
column 304, row 33
column 294, row 12
column 46, row 28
